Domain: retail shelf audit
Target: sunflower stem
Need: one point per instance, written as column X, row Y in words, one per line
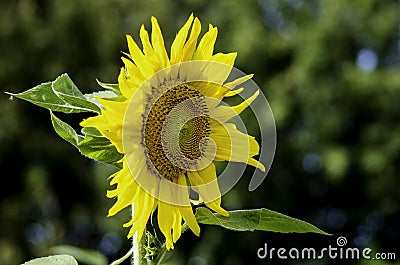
column 138, row 247
column 139, row 251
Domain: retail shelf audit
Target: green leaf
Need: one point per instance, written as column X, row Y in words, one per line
column 61, row 95
column 66, row 90
column 53, row 260
column 86, row 256
column 258, row 219
column 92, row 144
column 44, row 96
column 100, row 149
column 65, row 131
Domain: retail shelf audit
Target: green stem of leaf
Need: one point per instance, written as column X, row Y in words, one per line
column 122, row 259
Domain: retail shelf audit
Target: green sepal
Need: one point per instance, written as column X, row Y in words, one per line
column 153, row 246
column 91, row 131
column 112, row 87
column 257, row 219
column 91, row 144
column 109, row 95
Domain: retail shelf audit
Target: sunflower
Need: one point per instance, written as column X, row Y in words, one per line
column 171, row 125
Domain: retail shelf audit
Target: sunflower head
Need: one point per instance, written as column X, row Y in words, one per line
column 171, row 127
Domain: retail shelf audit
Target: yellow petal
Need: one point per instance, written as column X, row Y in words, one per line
column 242, row 106
column 228, row 58
column 186, row 211
column 211, row 90
column 225, row 113
column 132, row 73
column 234, row 92
column 125, row 87
column 169, row 215
column 115, row 137
column 151, row 56
column 143, row 207
column 109, row 128
column 218, row 68
column 190, row 45
column 208, row 189
column 138, row 58
column 126, row 191
column 188, row 216
column 177, row 226
column 158, row 43
column 97, row 122
column 165, row 219
column 233, row 145
column 238, row 81
column 115, row 110
column 205, row 48
column 178, row 43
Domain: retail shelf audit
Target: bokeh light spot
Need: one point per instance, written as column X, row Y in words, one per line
column 336, row 218
column 367, row 60
column 312, row 163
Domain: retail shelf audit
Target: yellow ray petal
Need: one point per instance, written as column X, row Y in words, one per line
column 151, row 56
column 233, row 145
column 110, row 129
column 242, row 106
column 177, row 226
column 143, row 208
column 169, row 215
column 178, row 43
column 225, row 113
column 238, row 81
column 98, row 122
column 158, row 43
column 126, row 191
column 211, row 90
column 139, row 58
column 186, row 211
column 208, row 189
column 115, row 109
column 234, row 92
column 132, row 73
column 165, row 217
column 126, row 88
column 190, row 45
column 205, row 48
column 228, row 58
column 218, row 68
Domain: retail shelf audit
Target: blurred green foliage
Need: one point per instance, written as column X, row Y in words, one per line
column 330, row 70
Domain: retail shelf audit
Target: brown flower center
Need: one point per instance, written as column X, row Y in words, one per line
column 162, row 125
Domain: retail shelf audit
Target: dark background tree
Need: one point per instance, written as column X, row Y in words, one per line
column 330, row 70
